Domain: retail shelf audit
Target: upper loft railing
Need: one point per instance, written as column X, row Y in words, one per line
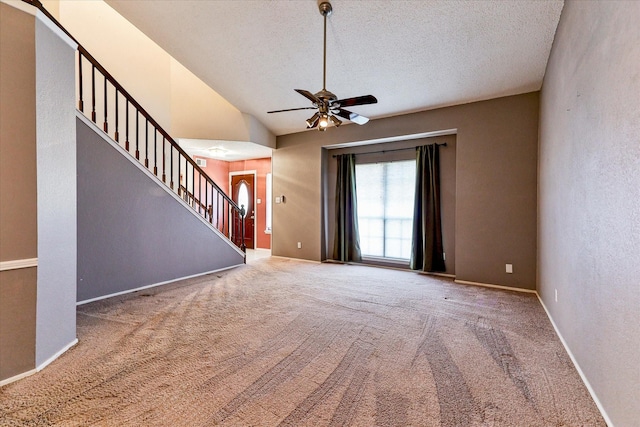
column 112, row 107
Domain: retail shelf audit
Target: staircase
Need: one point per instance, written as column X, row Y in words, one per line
column 147, row 214
column 110, row 107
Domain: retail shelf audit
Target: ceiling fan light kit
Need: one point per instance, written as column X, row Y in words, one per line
column 327, row 104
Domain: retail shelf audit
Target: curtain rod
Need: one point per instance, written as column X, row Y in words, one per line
column 443, row 144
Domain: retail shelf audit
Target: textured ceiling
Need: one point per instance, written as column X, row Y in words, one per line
column 412, row 55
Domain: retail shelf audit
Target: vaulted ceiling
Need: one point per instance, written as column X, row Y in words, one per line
column 412, row 55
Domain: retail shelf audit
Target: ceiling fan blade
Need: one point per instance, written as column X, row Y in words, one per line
column 358, row 100
column 356, row 118
column 291, row 109
column 311, row 97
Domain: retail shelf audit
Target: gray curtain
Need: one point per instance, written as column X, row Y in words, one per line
column 346, row 243
column 426, row 247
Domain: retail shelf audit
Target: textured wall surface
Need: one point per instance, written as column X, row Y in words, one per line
column 589, row 192
column 18, row 219
column 131, row 232
column 56, row 162
column 496, row 164
column 17, row 321
column 18, row 233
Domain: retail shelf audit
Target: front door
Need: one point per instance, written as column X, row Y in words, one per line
column 242, row 193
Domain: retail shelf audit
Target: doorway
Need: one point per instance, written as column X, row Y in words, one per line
column 243, row 194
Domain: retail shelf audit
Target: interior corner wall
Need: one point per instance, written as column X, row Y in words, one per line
column 496, row 187
column 199, row 112
column 56, row 170
column 589, row 198
column 18, row 191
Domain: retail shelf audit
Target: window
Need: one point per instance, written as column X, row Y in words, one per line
column 243, row 196
column 385, row 194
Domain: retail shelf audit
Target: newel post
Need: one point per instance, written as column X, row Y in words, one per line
column 243, row 213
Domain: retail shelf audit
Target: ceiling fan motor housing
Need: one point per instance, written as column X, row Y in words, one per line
column 327, row 98
column 327, row 103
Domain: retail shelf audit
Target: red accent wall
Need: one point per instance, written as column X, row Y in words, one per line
column 262, row 168
column 219, row 171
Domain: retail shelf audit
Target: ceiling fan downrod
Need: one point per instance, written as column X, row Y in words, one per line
column 325, row 10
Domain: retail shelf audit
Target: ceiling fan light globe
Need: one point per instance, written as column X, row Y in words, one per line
column 324, row 121
column 336, row 122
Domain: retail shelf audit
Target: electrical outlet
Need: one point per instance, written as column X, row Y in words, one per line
column 509, row 268
column 299, row 245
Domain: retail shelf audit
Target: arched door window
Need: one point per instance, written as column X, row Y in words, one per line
column 243, row 196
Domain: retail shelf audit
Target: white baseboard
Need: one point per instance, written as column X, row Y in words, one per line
column 260, row 250
column 295, row 259
column 128, row 291
column 489, row 285
column 41, row 366
column 577, row 366
column 17, row 377
column 55, row 356
column 429, row 273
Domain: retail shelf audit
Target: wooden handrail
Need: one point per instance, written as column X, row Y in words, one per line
column 130, row 100
column 155, row 124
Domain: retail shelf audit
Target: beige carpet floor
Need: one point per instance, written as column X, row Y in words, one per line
column 289, row 343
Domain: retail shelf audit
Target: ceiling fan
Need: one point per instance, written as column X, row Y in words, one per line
column 328, row 104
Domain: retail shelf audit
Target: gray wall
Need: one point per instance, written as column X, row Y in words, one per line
column 131, row 232
column 56, row 166
column 589, row 192
column 447, row 185
column 18, row 220
column 496, row 165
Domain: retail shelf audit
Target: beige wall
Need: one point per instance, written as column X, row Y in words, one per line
column 139, row 64
column 18, row 130
column 589, row 197
column 447, row 185
column 18, row 227
column 17, row 321
column 53, row 7
column 198, row 112
column 496, row 161
column 178, row 100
